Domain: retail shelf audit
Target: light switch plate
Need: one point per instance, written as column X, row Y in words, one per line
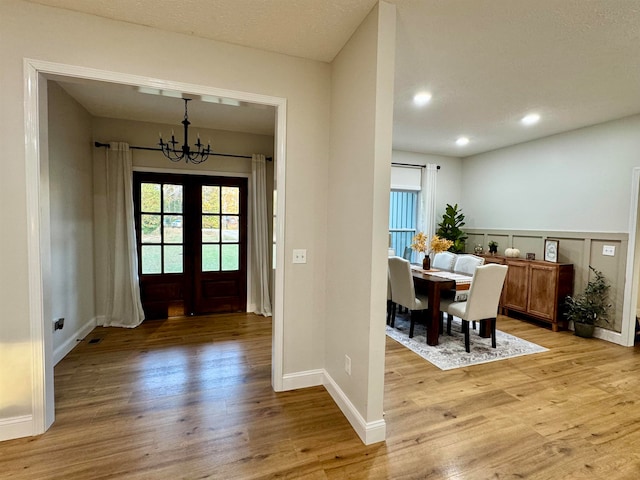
column 300, row 255
column 609, row 250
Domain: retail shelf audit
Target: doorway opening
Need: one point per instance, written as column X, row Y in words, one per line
column 39, row 249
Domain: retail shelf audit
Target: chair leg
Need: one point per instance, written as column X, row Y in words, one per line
column 388, row 311
column 449, row 318
column 473, row 324
column 493, row 332
column 441, row 327
column 393, row 314
column 465, row 328
column 414, row 314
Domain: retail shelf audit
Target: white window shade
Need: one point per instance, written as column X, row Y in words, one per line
column 406, row 178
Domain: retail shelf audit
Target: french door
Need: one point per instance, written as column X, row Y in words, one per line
column 191, row 234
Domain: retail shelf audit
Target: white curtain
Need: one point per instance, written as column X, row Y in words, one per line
column 261, row 245
column 123, row 307
column 428, row 195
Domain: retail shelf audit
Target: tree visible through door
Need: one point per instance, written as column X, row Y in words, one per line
column 192, row 243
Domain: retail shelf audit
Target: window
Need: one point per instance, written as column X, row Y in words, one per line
column 403, row 209
column 162, row 236
column 220, row 228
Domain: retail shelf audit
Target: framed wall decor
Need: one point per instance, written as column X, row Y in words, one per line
column 551, row 250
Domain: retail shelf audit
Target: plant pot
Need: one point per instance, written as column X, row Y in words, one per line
column 584, row 330
column 426, row 263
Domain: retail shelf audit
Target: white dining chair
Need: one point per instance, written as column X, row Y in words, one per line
column 403, row 291
column 482, row 303
column 444, row 260
column 465, row 264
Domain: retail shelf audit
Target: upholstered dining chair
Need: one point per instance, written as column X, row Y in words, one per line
column 466, row 264
column 482, row 303
column 390, row 305
column 444, row 260
column 403, row 291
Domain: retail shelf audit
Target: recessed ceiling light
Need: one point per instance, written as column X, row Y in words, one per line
column 530, row 119
column 149, row 90
column 210, row 98
column 422, row 98
column 462, row 141
column 171, row 93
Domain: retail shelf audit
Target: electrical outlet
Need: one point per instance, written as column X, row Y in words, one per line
column 58, row 324
column 300, row 256
column 347, row 364
column 609, row 250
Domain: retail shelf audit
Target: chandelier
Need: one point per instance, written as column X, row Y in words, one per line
column 198, row 155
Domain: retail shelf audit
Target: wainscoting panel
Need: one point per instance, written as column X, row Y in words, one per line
column 527, row 244
column 579, row 248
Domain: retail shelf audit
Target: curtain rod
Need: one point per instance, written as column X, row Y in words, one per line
column 157, row 149
column 412, row 165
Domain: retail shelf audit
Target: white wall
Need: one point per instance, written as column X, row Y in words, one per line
column 71, row 213
column 575, row 181
column 449, row 180
column 357, row 226
column 50, row 34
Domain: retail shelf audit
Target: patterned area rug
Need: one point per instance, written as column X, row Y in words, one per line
column 450, row 353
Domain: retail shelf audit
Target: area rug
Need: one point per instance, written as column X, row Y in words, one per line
column 450, row 353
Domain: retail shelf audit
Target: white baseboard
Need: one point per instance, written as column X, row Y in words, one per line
column 372, row 432
column 369, row 433
column 608, row 335
column 604, row 334
column 69, row 344
column 16, row 427
column 309, row 378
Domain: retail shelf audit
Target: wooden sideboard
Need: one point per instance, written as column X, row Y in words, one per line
column 535, row 288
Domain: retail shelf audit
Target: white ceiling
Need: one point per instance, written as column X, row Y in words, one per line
column 487, row 63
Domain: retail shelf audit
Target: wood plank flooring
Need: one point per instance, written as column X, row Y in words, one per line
column 190, row 398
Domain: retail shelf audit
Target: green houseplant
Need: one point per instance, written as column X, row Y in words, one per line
column 591, row 306
column 493, row 246
column 449, row 228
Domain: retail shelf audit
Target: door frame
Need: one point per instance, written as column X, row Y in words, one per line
column 37, row 196
column 215, row 173
column 632, row 272
column 190, row 269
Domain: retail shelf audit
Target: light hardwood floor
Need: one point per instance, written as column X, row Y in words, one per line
column 190, row 398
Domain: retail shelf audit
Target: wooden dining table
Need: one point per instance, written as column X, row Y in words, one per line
column 433, row 282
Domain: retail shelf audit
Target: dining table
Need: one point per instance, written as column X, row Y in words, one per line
column 433, row 282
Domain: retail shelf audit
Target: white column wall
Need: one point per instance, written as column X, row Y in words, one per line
column 358, row 197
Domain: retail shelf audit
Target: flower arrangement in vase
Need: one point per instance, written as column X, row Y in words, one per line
column 436, row 245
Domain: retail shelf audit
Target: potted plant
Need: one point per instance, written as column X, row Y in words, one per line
column 493, row 247
column 449, row 228
column 590, row 307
